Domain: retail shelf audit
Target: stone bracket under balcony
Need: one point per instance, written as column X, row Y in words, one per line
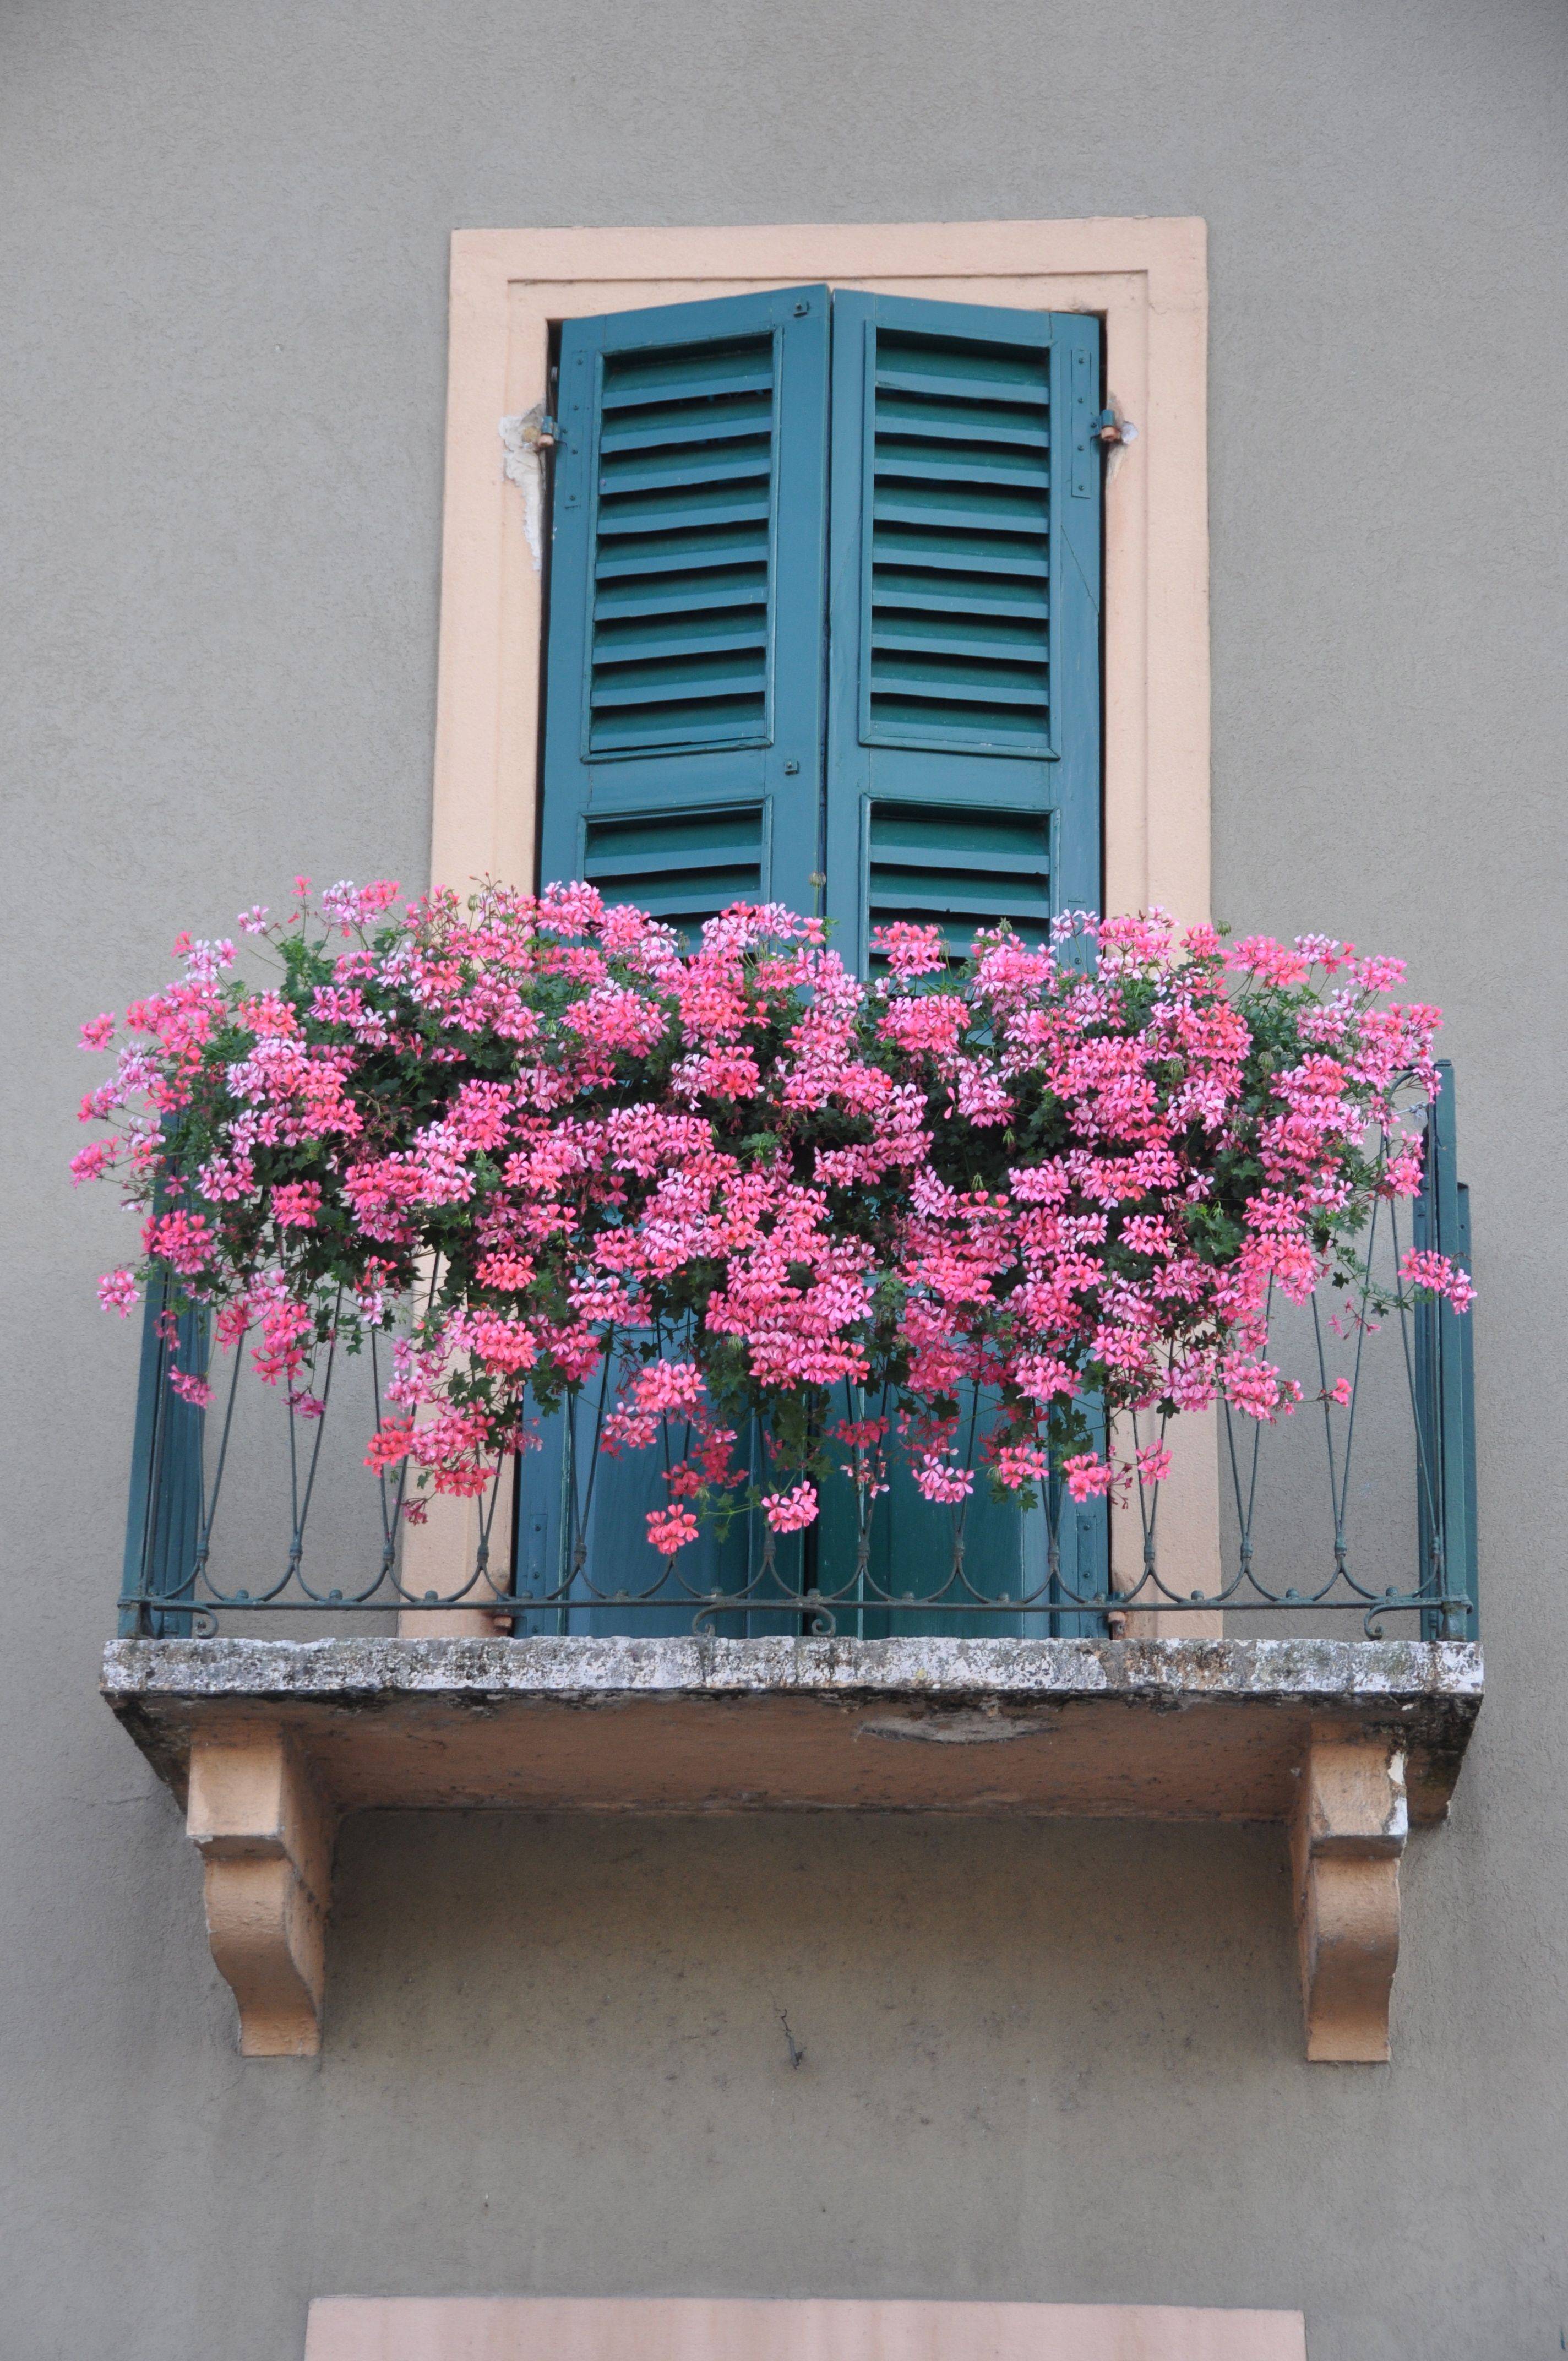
column 267, row 1743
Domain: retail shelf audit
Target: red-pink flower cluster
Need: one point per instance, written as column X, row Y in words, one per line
column 741, row 1184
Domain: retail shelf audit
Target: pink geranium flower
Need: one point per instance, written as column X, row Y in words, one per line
column 118, row 1292
column 697, row 1185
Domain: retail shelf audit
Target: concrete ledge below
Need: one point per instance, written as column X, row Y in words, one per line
column 1178, row 1728
column 269, row 1741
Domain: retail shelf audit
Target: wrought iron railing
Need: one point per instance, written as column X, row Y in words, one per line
column 1363, row 1504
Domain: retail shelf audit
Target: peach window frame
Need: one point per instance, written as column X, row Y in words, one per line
column 1147, row 280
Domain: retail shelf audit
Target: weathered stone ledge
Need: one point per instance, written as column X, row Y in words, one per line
column 1177, row 1727
column 1176, row 1670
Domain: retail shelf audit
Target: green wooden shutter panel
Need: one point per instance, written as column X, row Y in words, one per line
column 963, row 782
column 163, row 1518
column 964, row 669
column 683, row 691
column 1445, row 1379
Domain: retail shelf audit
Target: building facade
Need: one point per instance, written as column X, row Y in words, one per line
column 608, row 1987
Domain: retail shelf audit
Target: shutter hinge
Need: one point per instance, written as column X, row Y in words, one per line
column 1108, row 430
column 533, row 430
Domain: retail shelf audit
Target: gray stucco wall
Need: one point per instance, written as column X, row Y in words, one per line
column 1055, row 2061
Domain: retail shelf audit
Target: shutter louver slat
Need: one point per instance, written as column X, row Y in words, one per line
column 669, row 680
column 649, row 428
column 961, row 422
column 693, row 637
column 644, row 513
column 693, row 563
column 682, row 594
column 681, row 374
column 694, row 726
column 940, row 634
column 916, row 593
column 980, row 684
column 934, row 365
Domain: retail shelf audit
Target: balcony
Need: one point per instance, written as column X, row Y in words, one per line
column 1285, row 1630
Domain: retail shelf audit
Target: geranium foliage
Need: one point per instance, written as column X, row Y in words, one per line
column 741, row 1183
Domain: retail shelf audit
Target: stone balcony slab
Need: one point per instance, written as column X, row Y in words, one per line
column 1174, row 1728
column 268, row 1743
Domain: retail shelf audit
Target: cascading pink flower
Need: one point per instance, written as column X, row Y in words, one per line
column 737, row 1180
column 1440, row 1274
column 118, row 1292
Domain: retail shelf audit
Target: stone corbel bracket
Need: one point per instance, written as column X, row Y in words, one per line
column 265, row 1833
column 1347, row 1833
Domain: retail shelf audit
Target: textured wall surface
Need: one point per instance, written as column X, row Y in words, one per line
column 1040, row 2061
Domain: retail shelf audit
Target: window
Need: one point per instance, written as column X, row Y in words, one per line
column 1139, row 287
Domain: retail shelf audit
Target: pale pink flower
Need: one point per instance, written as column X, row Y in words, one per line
column 939, row 1480
column 910, row 951
column 118, row 1292
column 90, row 1163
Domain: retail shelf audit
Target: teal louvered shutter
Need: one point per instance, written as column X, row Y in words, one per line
column 683, row 739
column 964, row 702
column 947, row 769
column 964, row 749
column 569, row 1493
column 1444, row 1382
column 684, row 695
column 165, row 1514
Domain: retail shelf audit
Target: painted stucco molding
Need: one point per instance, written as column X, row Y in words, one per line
column 265, row 1831
column 696, row 2328
column 1347, row 1834
column 1148, row 279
